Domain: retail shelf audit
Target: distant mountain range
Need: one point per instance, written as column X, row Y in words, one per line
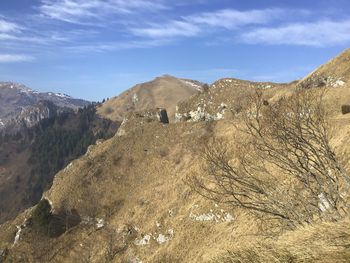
column 21, row 106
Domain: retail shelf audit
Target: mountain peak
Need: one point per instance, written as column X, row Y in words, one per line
column 165, row 91
column 16, row 86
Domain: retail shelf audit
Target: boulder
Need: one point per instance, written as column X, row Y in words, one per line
column 345, row 109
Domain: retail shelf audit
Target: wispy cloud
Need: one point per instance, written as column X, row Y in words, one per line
column 7, row 27
column 232, row 19
column 115, row 46
column 128, row 24
column 172, row 29
column 320, row 33
column 77, row 11
column 28, row 39
column 194, row 25
column 9, row 58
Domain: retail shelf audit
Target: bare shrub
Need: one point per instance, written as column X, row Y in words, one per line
column 283, row 167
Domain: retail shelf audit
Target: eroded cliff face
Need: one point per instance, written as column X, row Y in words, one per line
column 23, row 107
column 33, row 114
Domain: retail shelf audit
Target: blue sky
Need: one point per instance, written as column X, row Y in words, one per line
column 95, row 49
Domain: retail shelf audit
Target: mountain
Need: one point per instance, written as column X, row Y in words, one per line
column 334, row 73
column 21, row 106
column 128, row 198
column 162, row 92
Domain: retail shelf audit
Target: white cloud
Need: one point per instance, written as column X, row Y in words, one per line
column 193, row 25
column 7, row 27
column 115, row 46
column 320, row 34
column 172, row 29
column 8, row 58
column 76, row 11
column 232, row 19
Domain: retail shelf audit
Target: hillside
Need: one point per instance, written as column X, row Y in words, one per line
column 128, row 198
column 21, row 106
column 162, row 92
column 224, row 99
column 335, row 73
column 29, row 159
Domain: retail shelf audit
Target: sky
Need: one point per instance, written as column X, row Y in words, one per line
column 94, row 49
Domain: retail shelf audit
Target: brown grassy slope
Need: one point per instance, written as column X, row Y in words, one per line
column 321, row 243
column 162, row 92
column 337, row 69
column 140, row 176
column 135, row 182
column 232, row 94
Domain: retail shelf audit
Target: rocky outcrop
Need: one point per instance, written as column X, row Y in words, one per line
column 345, row 109
column 42, row 110
column 319, row 81
column 333, row 74
column 21, row 106
column 135, row 119
column 223, row 99
column 31, row 115
column 200, row 114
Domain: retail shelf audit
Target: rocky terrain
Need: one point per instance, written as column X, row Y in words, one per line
column 21, row 106
column 162, row 92
column 128, row 198
column 224, row 99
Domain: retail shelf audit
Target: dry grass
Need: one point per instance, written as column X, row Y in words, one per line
column 321, row 243
column 135, row 182
column 163, row 92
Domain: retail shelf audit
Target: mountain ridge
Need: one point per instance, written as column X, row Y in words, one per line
column 134, row 205
column 21, row 106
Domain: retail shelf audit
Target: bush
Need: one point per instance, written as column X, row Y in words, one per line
column 283, row 167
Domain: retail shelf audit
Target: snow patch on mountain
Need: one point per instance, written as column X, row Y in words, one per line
column 193, row 85
column 61, row 95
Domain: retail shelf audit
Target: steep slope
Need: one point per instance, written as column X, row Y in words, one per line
column 21, row 106
column 162, row 92
column 30, row 159
column 134, row 189
column 334, row 73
